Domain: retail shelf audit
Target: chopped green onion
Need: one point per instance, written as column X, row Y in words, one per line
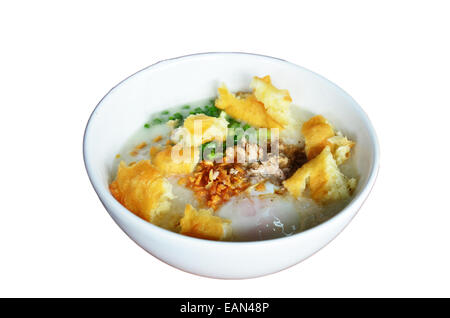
column 246, row 126
column 186, row 107
column 166, row 112
column 230, row 122
column 209, row 144
column 212, row 145
column 178, row 116
column 238, row 136
column 212, row 111
column 147, row 125
column 234, row 125
column 212, row 154
column 157, row 121
column 171, row 118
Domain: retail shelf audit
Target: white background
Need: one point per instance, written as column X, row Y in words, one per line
column 58, row 59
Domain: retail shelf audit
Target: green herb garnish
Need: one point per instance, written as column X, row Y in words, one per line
column 234, row 125
column 214, row 149
column 212, row 111
column 212, row 154
column 156, row 121
column 178, row 116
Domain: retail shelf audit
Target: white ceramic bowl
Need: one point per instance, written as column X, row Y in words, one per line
column 195, row 77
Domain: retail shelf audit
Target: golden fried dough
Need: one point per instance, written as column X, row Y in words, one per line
column 203, row 224
column 317, row 130
column 212, row 128
column 247, row 108
column 340, row 147
column 326, row 182
column 143, row 190
column 319, row 133
column 276, row 101
column 175, row 160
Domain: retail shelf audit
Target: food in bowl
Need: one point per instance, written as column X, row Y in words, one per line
column 242, row 166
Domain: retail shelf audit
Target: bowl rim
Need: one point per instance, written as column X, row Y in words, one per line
column 105, row 195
